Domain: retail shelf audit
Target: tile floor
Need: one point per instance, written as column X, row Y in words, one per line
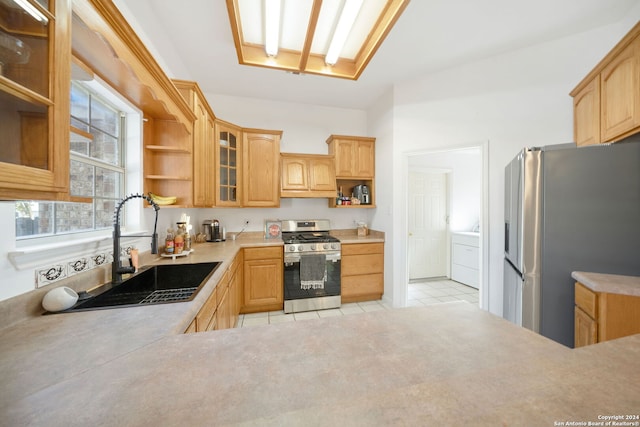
column 420, row 293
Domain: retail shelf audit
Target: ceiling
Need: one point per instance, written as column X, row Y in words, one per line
column 193, row 38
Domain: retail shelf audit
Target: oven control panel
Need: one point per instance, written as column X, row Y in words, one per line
column 313, row 247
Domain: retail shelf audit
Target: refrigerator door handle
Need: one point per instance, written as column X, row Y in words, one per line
column 506, row 237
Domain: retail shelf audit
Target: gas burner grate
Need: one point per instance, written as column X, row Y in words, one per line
column 168, row 295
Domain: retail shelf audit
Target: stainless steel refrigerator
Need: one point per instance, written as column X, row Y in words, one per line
column 567, row 209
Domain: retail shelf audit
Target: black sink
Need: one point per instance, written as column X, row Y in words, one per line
column 157, row 284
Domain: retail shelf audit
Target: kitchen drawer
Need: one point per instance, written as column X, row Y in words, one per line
column 469, row 239
column 362, row 248
column 367, row 284
column 466, row 275
column 263, row 253
column 467, row 256
column 362, row 264
column 586, row 299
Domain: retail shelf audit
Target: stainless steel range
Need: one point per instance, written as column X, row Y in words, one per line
column 311, row 266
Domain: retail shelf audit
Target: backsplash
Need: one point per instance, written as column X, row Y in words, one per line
column 52, row 273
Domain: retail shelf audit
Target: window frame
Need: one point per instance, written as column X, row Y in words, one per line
column 130, row 147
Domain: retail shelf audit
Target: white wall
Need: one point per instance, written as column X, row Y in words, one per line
column 380, row 124
column 512, row 100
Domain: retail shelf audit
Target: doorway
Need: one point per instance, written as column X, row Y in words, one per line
column 464, row 171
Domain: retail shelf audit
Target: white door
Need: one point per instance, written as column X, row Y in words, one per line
column 428, row 217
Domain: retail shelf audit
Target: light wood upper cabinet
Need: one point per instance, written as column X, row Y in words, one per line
column 607, row 101
column 35, row 81
column 203, row 144
column 355, row 165
column 620, row 93
column 261, row 168
column 168, row 160
column 228, row 164
column 355, row 156
column 322, row 175
column 586, row 114
column 103, row 42
column 307, row 175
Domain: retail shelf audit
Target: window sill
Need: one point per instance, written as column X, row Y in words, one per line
column 38, row 255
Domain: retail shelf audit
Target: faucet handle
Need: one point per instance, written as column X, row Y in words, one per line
column 135, row 260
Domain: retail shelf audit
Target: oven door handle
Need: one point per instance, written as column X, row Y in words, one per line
column 293, row 259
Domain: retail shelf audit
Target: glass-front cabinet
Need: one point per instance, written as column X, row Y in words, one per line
column 35, row 75
column 228, row 167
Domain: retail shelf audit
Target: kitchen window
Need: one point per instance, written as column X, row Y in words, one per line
column 97, row 170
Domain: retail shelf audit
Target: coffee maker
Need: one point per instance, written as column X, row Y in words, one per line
column 361, row 192
column 212, row 230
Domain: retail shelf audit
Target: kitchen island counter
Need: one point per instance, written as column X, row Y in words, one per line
column 449, row 363
column 609, row 283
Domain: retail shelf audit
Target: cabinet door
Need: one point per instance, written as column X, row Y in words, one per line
column 620, row 89
column 261, row 169
column 263, row 285
column 364, row 159
column 294, row 174
column 223, row 314
column 586, row 114
column 322, row 176
column 35, row 81
column 228, row 164
column 585, row 329
column 207, row 313
column 343, row 152
column 203, row 157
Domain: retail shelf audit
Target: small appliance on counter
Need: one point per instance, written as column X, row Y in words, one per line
column 361, row 192
column 212, row 230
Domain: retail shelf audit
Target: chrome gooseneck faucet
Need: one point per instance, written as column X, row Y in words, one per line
column 117, row 270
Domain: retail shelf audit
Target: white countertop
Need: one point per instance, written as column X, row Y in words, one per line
column 410, row 366
column 609, row 283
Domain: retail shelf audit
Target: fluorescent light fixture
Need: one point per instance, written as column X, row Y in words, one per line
column 31, row 10
column 272, row 26
column 347, row 19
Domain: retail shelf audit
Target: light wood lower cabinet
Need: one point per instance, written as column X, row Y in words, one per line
column 263, row 279
column 235, row 288
column 223, row 314
column 362, row 272
column 601, row 316
column 221, row 309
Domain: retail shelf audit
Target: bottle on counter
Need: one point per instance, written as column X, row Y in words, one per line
column 181, row 238
column 178, row 242
column 169, row 242
column 187, row 242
